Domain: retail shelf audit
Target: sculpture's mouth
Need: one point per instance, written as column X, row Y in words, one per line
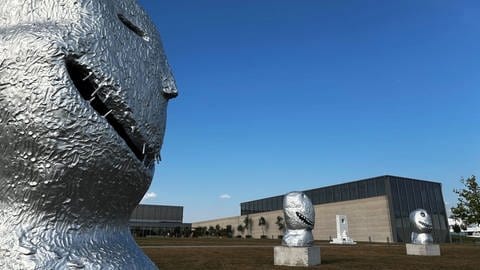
column 304, row 219
column 85, row 82
column 426, row 225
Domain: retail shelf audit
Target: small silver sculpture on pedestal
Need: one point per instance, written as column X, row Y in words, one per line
column 84, row 87
column 421, row 238
column 297, row 249
column 422, row 227
column 299, row 220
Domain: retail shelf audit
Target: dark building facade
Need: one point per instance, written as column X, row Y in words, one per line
column 404, row 195
column 162, row 220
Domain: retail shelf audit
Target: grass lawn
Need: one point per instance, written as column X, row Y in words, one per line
column 249, row 254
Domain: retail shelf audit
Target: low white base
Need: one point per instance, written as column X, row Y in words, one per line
column 296, row 256
column 343, row 241
column 423, row 250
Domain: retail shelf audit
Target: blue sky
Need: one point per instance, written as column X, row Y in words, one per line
column 280, row 95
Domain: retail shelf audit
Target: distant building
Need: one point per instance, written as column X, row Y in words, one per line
column 161, row 220
column 469, row 231
column 377, row 209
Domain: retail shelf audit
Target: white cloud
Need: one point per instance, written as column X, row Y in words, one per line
column 149, row 195
column 225, row 196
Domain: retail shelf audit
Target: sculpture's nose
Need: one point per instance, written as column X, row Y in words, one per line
column 169, row 87
column 169, row 93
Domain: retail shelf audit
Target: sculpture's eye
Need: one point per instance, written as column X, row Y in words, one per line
column 133, row 27
column 422, row 214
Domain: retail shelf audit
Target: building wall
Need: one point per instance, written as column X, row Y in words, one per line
column 368, row 217
column 270, row 229
column 158, row 220
column 223, row 222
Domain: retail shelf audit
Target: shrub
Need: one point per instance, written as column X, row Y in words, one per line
column 263, row 237
column 280, row 237
column 248, row 236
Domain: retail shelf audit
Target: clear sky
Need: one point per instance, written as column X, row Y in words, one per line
column 280, row 95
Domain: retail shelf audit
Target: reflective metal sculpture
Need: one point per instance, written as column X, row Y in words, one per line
column 299, row 220
column 422, row 227
column 84, row 87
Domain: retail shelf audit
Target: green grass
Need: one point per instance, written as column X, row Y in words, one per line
column 249, row 254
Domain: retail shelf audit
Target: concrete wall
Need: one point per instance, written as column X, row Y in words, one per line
column 270, row 229
column 366, row 218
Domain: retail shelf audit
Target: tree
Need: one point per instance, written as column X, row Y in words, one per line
column 247, row 223
column 468, row 206
column 240, row 228
column 280, row 223
column 177, row 231
column 229, row 231
column 262, row 222
column 211, row 231
column 456, row 228
column 199, row 231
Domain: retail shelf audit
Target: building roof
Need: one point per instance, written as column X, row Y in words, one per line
column 157, row 213
column 353, row 190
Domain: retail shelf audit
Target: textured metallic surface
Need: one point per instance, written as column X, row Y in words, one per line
column 84, row 87
column 422, row 227
column 299, row 220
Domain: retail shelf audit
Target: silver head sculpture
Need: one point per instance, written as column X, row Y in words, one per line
column 299, row 220
column 84, row 87
column 422, row 227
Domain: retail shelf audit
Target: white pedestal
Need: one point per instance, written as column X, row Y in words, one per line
column 296, row 256
column 423, row 250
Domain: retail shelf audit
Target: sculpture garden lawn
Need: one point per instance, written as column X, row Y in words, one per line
column 250, row 254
